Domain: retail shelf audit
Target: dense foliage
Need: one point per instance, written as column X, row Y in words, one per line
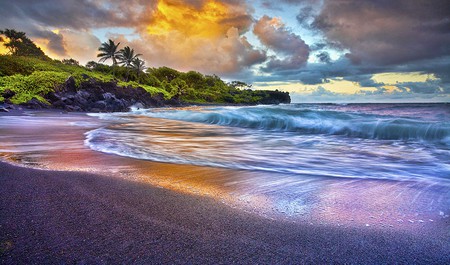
column 30, row 77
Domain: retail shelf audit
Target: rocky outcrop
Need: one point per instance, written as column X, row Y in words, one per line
column 95, row 96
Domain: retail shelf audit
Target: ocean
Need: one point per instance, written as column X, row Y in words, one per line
column 357, row 141
column 383, row 166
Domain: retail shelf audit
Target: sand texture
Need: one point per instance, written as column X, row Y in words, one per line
column 74, row 217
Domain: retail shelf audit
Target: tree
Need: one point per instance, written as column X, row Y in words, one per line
column 138, row 65
column 19, row 44
column 91, row 65
column 180, row 87
column 108, row 50
column 127, row 56
column 164, row 73
column 239, row 85
column 70, row 62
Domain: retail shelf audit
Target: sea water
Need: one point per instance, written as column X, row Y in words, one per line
column 376, row 166
column 357, row 141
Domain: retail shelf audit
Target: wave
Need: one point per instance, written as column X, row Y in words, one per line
column 283, row 139
column 309, row 121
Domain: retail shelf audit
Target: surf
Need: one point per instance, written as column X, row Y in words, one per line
column 337, row 141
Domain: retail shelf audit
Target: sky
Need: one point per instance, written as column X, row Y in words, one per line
column 318, row 50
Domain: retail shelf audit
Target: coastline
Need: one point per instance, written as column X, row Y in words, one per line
column 93, row 207
column 78, row 217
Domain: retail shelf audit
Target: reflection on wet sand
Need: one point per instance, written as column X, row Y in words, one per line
column 56, row 141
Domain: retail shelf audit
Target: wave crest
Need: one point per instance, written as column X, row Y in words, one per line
column 307, row 121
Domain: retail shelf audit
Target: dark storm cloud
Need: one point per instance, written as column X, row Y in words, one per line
column 55, row 41
column 365, row 80
column 378, row 36
column 429, row 87
column 324, row 57
column 387, row 32
column 276, row 4
column 71, row 13
column 319, row 73
column 305, row 16
column 37, row 18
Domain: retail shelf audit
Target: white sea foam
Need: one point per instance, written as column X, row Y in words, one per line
column 352, row 141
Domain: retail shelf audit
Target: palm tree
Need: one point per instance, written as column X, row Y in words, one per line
column 108, row 50
column 127, row 56
column 138, row 65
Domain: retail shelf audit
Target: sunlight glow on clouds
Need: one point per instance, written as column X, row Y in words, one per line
column 213, row 19
column 366, row 49
column 393, row 78
column 206, row 36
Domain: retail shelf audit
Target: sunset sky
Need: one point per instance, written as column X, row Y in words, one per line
column 319, row 50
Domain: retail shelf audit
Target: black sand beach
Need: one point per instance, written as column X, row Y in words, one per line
column 75, row 217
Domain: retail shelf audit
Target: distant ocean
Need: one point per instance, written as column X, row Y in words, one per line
column 361, row 141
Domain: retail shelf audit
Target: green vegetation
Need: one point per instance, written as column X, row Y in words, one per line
column 30, row 77
column 35, row 76
column 32, row 86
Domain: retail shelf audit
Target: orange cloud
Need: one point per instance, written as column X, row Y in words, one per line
column 79, row 45
column 213, row 55
column 203, row 35
column 211, row 19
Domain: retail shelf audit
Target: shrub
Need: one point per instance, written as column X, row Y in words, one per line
column 35, row 85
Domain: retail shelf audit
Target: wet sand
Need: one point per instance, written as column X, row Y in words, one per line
column 77, row 217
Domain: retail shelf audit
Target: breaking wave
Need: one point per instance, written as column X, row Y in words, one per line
column 308, row 121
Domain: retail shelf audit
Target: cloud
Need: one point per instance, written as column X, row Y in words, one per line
column 387, row 32
column 54, row 41
column 222, row 55
column 274, row 34
column 46, row 21
column 428, row 87
column 198, row 18
column 275, row 5
column 318, row 73
column 321, row 91
column 324, row 57
column 81, row 45
column 77, row 14
column 205, row 36
column 396, row 97
column 364, row 38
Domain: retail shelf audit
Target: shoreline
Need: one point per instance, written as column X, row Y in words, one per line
column 92, row 207
column 58, row 216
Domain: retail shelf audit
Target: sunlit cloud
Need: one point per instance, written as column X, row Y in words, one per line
column 394, row 78
column 205, row 36
column 210, row 20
